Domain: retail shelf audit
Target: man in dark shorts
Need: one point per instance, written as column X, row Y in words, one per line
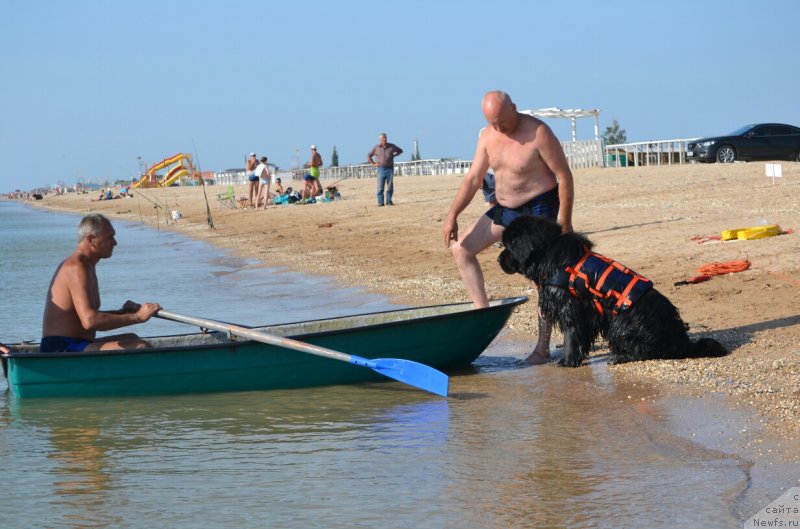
column 72, row 314
column 545, row 205
column 532, row 176
column 52, row 344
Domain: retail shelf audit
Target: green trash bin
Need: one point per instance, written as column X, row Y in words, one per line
column 617, row 160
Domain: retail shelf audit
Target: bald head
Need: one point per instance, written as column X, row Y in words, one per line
column 500, row 112
column 495, row 99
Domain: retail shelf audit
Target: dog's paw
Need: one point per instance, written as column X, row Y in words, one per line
column 570, row 362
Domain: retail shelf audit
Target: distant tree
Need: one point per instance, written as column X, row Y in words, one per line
column 334, row 158
column 614, row 134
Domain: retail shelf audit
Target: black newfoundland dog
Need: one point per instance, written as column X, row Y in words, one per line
column 587, row 295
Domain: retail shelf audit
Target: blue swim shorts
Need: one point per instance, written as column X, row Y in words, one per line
column 545, row 205
column 58, row 344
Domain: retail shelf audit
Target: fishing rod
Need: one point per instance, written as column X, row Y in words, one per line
column 209, row 220
column 140, row 193
column 155, row 204
column 166, row 217
column 141, row 219
column 141, row 189
column 153, row 200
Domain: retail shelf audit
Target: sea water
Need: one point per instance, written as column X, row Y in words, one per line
column 513, row 446
column 183, row 275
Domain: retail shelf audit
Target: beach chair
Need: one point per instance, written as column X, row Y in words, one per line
column 227, row 199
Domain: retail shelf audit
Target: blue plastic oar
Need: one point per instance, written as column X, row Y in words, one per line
column 406, row 371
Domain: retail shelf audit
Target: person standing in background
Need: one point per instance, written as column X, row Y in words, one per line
column 262, row 172
column 384, row 153
column 313, row 170
column 252, row 178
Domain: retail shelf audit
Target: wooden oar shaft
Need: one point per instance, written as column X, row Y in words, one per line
column 250, row 334
column 406, row 371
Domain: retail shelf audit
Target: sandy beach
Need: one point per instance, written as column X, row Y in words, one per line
column 659, row 221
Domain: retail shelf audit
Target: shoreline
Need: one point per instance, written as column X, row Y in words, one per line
column 644, row 217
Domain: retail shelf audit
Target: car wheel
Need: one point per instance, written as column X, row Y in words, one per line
column 726, row 154
column 797, row 157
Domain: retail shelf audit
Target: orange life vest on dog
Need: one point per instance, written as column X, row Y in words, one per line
column 614, row 287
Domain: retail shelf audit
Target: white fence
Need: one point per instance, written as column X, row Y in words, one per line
column 230, row 177
column 583, row 154
column 418, row 167
column 235, row 176
column 580, row 155
column 415, row 168
column 660, row 152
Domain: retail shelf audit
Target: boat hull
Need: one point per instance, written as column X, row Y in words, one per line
column 444, row 337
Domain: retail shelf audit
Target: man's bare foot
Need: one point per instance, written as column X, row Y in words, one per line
column 538, row 357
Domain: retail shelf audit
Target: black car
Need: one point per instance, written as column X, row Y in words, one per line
column 764, row 141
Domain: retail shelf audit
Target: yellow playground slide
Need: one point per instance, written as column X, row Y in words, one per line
column 184, row 166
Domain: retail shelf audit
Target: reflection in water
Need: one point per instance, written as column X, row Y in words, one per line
column 81, row 478
column 556, row 449
column 513, row 447
column 226, row 458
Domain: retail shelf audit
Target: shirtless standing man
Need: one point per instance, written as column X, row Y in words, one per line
column 532, row 176
column 314, row 171
column 72, row 312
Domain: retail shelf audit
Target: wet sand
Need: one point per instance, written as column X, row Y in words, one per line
column 647, row 218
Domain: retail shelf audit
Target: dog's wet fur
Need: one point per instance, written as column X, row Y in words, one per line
column 650, row 329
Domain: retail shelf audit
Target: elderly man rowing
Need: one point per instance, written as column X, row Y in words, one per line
column 72, row 314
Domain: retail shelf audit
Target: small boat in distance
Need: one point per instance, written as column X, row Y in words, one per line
column 441, row 336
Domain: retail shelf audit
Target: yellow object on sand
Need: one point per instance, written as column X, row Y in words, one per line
column 749, row 234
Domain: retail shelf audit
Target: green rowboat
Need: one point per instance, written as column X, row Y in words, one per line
column 442, row 336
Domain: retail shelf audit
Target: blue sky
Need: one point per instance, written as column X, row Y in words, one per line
column 89, row 86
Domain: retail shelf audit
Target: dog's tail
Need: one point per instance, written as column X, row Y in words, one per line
column 707, row 347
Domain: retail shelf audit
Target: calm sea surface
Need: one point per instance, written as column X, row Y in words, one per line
column 513, row 446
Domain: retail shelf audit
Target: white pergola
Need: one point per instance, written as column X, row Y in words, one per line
column 571, row 114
